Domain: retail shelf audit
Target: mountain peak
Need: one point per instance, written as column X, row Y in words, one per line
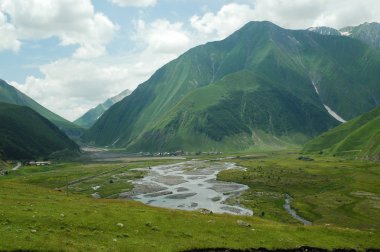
column 253, row 89
column 255, row 25
column 90, row 117
column 324, row 30
column 368, row 33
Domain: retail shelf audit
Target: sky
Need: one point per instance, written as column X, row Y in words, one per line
column 70, row 55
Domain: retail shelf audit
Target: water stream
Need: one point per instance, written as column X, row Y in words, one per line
column 189, row 185
column 292, row 212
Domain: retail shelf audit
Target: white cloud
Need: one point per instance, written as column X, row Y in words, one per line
column 229, row 18
column 136, row 3
column 295, row 14
column 70, row 87
column 8, row 36
column 162, row 37
column 300, row 14
column 73, row 22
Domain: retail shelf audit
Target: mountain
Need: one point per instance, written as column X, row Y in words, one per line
column 359, row 137
column 368, row 33
column 90, row 117
column 25, row 134
column 261, row 87
column 9, row 94
column 324, row 30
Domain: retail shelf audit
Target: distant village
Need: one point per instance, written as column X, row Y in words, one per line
column 177, row 153
column 38, row 163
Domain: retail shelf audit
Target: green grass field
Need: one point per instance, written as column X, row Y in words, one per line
column 330, row 191
column 340, row 197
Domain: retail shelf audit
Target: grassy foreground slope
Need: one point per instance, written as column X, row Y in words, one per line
column 359, row 137
column 25, row 134
column 33, row 216
column 9, row 94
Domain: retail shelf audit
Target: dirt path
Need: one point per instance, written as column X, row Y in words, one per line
column 77, row 181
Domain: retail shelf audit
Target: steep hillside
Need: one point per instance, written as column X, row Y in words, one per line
column 359, row 137
column 90, row 117
column 261, row 87
column 25, row 134
column 9, row 94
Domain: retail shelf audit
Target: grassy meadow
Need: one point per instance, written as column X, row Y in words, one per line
column 341, row 197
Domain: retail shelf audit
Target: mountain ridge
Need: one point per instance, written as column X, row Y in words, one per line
column 25, row 134
column 89, row 118
column 10, row 94
column 368, row 33
column 359, row 137
column 259, row 60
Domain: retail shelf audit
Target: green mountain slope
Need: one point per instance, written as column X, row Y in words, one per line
column 25, row 134
column 261, row 87
column 359, row 137
column 90, row 117
column 9, row 94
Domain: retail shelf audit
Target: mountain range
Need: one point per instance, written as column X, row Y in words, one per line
column 9, row 94
column 359, row 138
column 25, row 134
column 90, row 117
column 261, row 87
column 368, row 33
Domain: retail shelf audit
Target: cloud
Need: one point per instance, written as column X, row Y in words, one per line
column 70, row 87
column 161, row 36
column 136, row 3
column 8, row 35
column 305, row 13
column 295, row 14
column 73, row 22
column 229, row 18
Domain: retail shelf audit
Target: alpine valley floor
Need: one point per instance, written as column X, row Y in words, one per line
column 341, row 198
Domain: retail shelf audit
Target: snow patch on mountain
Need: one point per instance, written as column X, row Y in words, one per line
column 315, row 87
column 117, row 140
column 329, row 110
column 345, row 33
column 334, row 114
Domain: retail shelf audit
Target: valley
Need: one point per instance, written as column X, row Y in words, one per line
column 339, row 196
column 190, row 127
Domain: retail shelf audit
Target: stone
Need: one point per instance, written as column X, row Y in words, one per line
column 243, row 223
column 204, row 211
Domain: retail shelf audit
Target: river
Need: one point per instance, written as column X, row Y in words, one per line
column 190, row 185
